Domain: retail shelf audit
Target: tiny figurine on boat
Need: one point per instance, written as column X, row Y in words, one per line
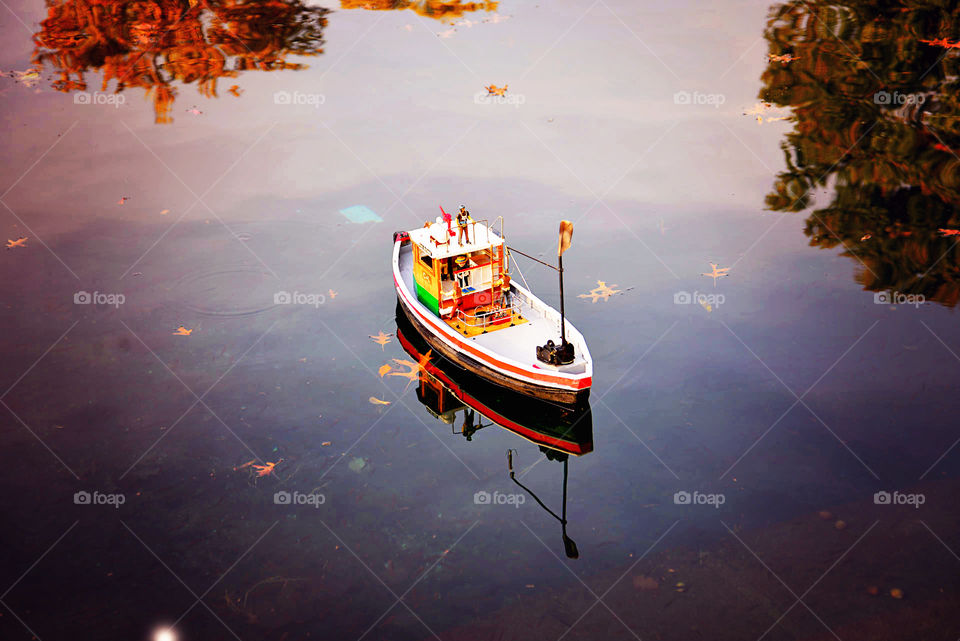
column 456, row 290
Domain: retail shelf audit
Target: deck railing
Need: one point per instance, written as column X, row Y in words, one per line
column 486, row 318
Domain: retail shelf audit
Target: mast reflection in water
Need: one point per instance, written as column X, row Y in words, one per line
column 469, row 404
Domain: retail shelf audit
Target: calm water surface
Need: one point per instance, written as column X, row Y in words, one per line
column 821, row 369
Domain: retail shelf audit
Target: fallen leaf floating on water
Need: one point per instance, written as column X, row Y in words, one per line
column 717, row 272
column 326, row 444
column 332, row 293
column 20, row 242
column 164, row 212
column 494, row 90
column 377, row 401
column 183, row 331
column 415, row 368
column 27, row 77
column 247, row 464
column 866, row 237
column 949, row 232
column 759, row 109
column 896, row 593
column 193, row 110
column 235, row 90
column 264, row 470
column 784, row 59
column 123, row 200
column 381, row 339
column 600, row 291
column 942, row 42
column 384, row 369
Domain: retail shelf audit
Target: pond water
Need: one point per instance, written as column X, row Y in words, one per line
column 764, row 266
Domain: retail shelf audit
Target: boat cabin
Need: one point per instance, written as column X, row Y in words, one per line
column 464, row 283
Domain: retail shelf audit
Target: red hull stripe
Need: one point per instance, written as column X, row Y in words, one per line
column 540, row 438
column 554, row 381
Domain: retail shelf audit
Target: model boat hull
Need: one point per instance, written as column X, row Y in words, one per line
column 506, row 357
column 559, row 427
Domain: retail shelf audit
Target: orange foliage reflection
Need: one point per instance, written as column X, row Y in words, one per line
column 156, row 44
column 438, row 9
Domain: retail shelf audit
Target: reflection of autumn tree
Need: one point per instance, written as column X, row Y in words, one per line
column 439, row 9
column 156, row 43
column 877, row 123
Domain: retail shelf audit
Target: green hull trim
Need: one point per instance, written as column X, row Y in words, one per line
column 428, row 299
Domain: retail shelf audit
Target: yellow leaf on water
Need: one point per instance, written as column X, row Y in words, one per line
column 384, row 369
column 381, row 339
column 20, row 242
column 377, row 401
column 183, row 331
column 716, row 272
column 601, row 291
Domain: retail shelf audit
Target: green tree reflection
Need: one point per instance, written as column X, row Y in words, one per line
column 873, row 91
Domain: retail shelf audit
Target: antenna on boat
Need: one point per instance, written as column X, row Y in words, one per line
column 569, row 546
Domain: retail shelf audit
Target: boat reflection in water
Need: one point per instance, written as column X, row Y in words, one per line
column 469, row 404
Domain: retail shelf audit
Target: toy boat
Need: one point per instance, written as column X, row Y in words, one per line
column 456, row 290
column 450, row 392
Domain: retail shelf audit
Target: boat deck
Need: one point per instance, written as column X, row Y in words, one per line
column 465, row 329
column 519, row 340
